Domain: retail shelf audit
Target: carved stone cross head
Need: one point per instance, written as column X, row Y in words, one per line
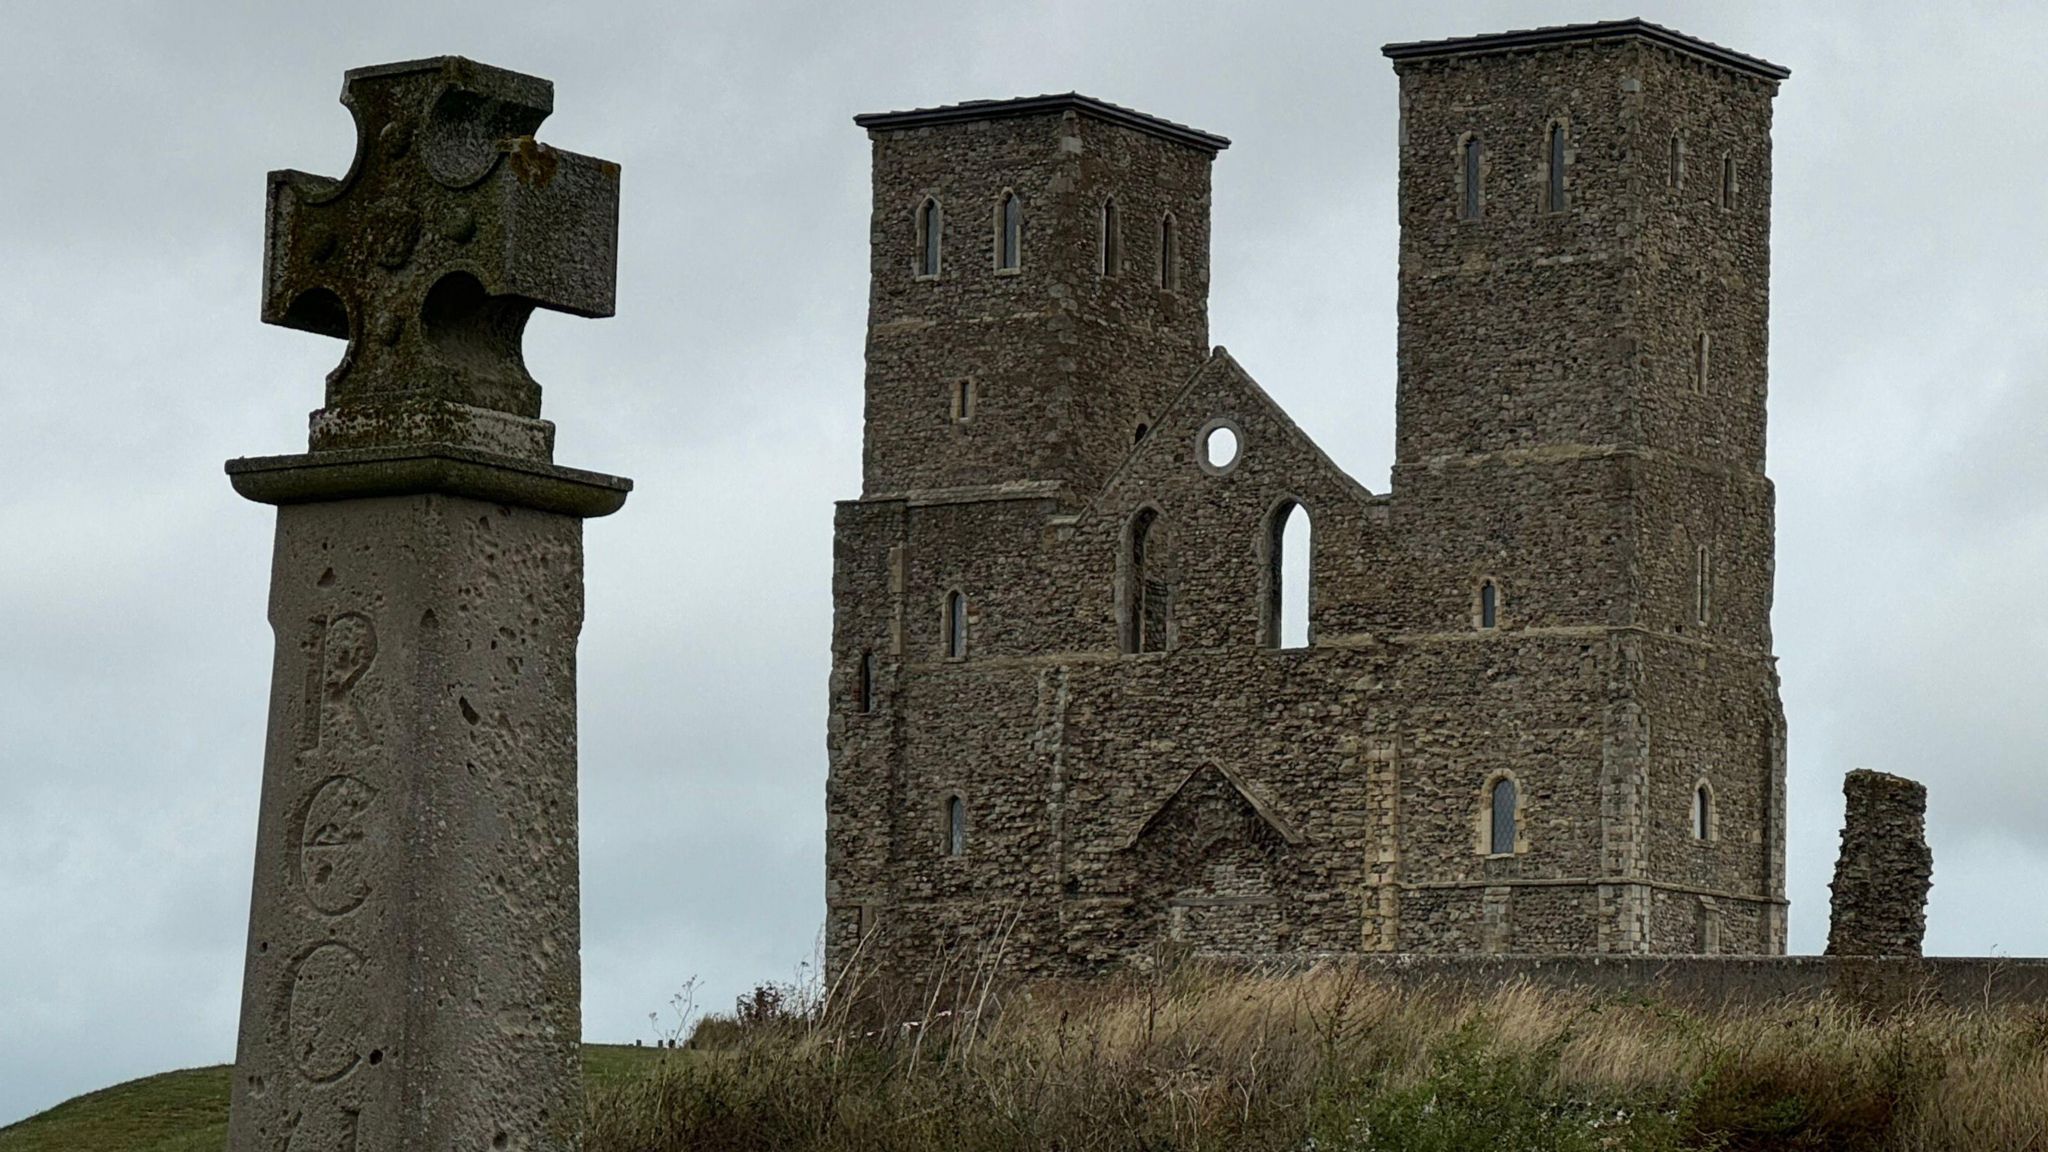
column 452, row 225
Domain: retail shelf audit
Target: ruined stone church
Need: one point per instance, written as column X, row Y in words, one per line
column 1536, row 710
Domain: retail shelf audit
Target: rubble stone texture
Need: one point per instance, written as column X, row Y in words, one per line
column 413, row 972
column 1879, row 905
column 1555, row 439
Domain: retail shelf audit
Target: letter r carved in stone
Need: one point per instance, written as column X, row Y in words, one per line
column 339, row 655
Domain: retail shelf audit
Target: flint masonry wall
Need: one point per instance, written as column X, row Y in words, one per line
column 1550, row 428
column 1711, row 982
column 1065, row 362
column 1228, row 796
column 1879, row 905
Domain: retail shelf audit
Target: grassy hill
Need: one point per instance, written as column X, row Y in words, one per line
column 1207, row 1061
column 187, row 1111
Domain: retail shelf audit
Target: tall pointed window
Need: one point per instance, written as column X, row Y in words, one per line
column 1469, row 180
column 1676, row 177
column 1702, row 361
column 864, row 696
column 956, row 826
column 1501, row 838
column 1728, row 181
column 931, row 228
column 1112, row 239
column 1554, row 199
column 1489, row 604
column 1702, row 812
column 1169, row 253
column 956, row 625
column 1009, row 233
column 1290, row 542
column 1703, row 584
column 1148, row 586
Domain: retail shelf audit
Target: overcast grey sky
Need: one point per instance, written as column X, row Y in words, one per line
column 1907, row 431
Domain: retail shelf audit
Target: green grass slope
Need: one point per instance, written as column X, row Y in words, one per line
column 188, row 1111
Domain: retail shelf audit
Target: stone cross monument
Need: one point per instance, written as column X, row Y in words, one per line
column 413, row 974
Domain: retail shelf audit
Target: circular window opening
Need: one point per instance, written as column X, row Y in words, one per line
column 1220, row 447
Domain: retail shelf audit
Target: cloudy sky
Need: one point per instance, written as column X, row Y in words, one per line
column 1908, row 421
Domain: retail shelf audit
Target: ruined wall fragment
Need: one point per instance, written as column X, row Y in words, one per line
column 1885, row 869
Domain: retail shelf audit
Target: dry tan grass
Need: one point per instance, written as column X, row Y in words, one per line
column 1330, row 1059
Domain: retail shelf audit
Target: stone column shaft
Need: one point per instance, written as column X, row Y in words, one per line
column 415, row 904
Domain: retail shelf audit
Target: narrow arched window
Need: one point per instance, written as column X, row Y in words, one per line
column 1555, row 193
column 956, row 826
column 1489, row 604
column 1702, row 813
column 931, row 229
column 1469, row 180
column 1138, row 434
column 1169, row 253
column 1290, row 543
column 1148, row 589
column 1728, row 181
column 1676, row 176
column 1702, row 361
column 1112, row 239
column 1501, row 841
column 956, row 625
column 865, row 693
column 1009, row 233
column 1703, row 584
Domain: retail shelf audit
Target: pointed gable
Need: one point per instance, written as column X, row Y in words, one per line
column 1243, row 790
column 1221, row 394
column 1227, row 518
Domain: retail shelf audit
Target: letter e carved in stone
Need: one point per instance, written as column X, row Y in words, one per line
column 333, row 869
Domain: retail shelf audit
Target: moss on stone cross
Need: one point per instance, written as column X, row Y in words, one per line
column 451, row 226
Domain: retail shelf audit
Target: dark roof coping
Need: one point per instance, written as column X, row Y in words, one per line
column 1046, row 105
column 1604, row 30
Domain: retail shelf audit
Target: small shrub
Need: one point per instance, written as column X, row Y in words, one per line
column 769, row 1010
column 1479, row 1096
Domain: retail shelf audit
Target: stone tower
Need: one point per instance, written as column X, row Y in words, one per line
column 1040, row 356
column 1537, row 711
column 1584, row 303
